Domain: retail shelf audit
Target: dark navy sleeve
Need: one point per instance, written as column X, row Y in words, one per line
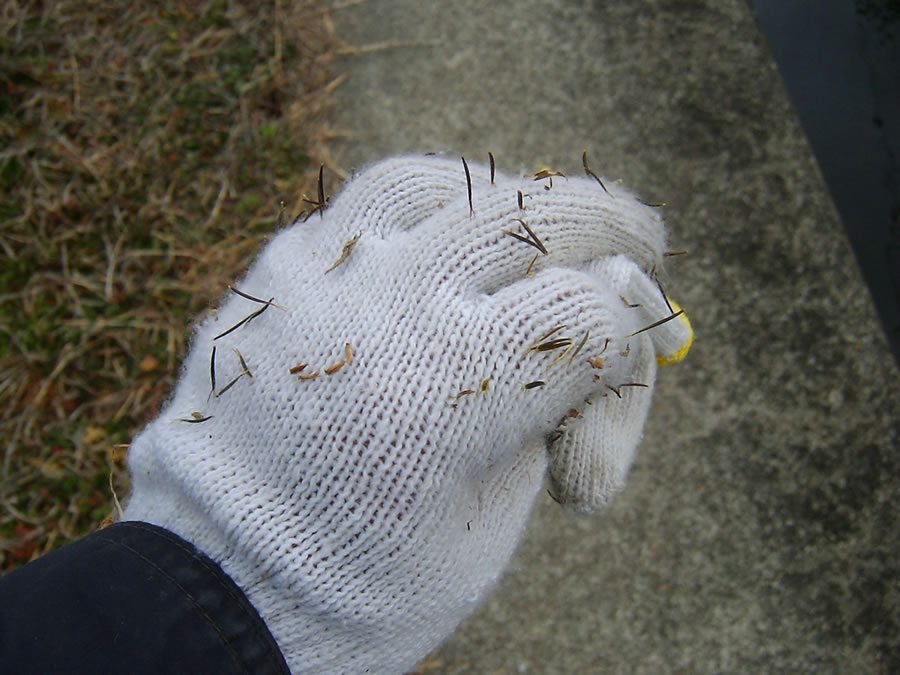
column 131, row 598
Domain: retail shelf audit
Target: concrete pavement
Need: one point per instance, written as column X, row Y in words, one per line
column 759, row 529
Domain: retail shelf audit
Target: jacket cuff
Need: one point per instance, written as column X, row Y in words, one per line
column 132, row 598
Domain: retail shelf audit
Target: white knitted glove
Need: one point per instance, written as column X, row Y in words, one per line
column 367, row 510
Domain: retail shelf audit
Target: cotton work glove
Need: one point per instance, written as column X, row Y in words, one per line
column 361, row 451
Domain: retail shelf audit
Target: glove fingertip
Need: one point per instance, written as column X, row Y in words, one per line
column 673, row 343
column 587, row 471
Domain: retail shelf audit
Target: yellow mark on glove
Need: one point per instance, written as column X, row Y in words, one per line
column 681, row 327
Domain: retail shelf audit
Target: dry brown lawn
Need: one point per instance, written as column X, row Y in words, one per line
column 145, row 149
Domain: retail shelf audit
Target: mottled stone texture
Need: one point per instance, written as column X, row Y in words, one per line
column 759, row 530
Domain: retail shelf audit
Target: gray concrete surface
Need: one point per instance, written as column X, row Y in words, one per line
column 759, row 530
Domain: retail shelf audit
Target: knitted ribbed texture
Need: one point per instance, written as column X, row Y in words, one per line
column 366, row 512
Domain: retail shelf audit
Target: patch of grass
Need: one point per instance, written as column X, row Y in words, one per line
column 144, row 153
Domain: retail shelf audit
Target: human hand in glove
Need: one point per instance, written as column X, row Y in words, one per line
column 361, row 430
